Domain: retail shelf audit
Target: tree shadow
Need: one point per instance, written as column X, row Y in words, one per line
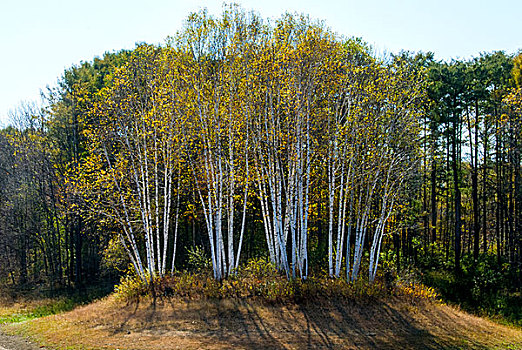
column 333, row 324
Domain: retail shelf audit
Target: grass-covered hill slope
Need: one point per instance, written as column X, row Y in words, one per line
column 176, row 323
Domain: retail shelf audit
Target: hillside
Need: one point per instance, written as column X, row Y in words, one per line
column 223, row 324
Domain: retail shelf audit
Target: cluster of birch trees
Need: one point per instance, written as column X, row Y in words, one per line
column 237, row 115
column 264, row 138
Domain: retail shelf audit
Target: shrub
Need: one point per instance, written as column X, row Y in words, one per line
column 131, row 288
column 259, row 280
column 259, row 268
column 114, row 256
column 197, row 260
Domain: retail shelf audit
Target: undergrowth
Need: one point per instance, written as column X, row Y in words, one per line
column 485, row 287
column 259, row 280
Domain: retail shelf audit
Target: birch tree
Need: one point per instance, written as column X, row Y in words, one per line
column 292, row 70
column 218, row 56
column 135, row 159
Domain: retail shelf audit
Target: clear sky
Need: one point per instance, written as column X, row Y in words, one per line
column 41, row 38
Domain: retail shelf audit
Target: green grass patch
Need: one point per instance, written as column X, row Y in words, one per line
column 28, row 306
column 49, row 308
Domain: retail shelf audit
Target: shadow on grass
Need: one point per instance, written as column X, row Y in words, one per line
column 322, row 325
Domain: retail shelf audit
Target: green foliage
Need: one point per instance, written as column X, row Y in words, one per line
column 197, row 260
column 483, row 285
column 115, row 257
column 517, row 71
column 432, row 256
column 406, row 281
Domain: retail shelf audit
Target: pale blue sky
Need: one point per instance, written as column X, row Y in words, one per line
column 41, row 38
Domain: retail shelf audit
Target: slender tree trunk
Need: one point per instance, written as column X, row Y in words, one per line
column 457, row 198
column 433, row 200
column 474, row 186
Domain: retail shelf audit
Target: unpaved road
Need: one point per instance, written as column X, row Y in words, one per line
column 11, row 342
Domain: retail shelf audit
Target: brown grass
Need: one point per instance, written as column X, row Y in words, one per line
column 396, row 323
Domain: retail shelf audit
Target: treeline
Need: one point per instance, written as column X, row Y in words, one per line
column 250, row 138
column 467, row 216
column 44, row 238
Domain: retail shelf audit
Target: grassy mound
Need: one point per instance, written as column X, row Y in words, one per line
column 172, row 323
column 258, row 308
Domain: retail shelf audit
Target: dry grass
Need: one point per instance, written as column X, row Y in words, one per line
column 395, row 323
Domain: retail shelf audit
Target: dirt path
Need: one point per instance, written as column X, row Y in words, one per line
column 12, row 342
